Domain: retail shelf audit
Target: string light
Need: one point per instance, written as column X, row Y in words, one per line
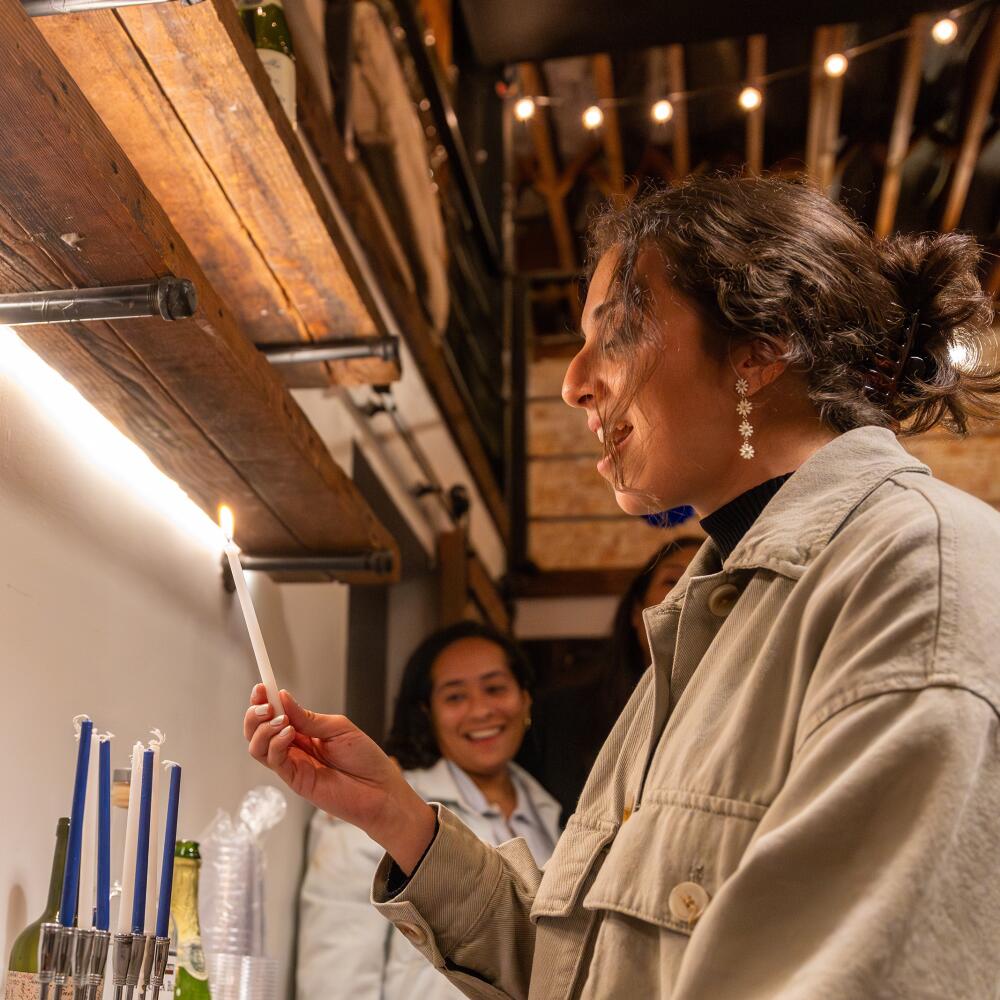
column 593, row 117
column 662, row 112
column 835, row 64
column 944, row 31
column 750, row 98
column 524, row 109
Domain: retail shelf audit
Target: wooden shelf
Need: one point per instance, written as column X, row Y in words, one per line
column 182, row 91
column 196, row 395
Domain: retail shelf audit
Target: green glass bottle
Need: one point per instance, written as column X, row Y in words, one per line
column 24, row 954
column 191, row 975
column 268, row 29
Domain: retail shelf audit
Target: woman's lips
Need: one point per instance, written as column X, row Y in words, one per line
column 604, row 465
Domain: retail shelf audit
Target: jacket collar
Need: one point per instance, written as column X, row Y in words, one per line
column 437, row 784
column 811, row 507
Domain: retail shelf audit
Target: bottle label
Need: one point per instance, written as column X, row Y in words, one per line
column 281, row 69
column 191, row 958
column 24, row 986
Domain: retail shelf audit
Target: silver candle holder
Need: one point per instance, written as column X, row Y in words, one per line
column 55, row 959
column 147, row 965
column 161, row 953
column 127, row 963
column 94, row 975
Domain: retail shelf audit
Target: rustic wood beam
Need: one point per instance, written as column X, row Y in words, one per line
column 902, row 124
column 486, row 595
column 195, row 112
column 817, row 101
column 453, row 576
column 195, row 394
column 830, row 124
column 674, row 55
column 547, row 180
column 985, row 70
column 611, row 135
column 756, row 67
column 437, row 17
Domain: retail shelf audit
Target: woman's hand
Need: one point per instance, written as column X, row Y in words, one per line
column 327, row 760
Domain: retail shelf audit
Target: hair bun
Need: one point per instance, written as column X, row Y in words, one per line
column 940, row 303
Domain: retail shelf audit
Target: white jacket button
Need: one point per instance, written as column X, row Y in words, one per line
column 415, row 934
column 722, row 600
column 687, row 901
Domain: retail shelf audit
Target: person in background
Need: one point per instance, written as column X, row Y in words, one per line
column 463, row 708
column 572, row 723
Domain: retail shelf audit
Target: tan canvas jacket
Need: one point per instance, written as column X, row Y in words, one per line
column 802, row 798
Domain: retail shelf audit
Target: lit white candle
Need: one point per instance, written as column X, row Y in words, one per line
column 131, row 840
column 88, row 850
column 250, row 616
column 154, row 835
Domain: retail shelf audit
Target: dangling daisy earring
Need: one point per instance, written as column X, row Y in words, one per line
column 743, row 408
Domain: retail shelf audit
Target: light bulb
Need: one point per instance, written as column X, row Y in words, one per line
column 593, row 117
column 226, row 521
column 750, row 98
column 944, row 31
column 524, row 109
column 835, row 64
column 662, row 112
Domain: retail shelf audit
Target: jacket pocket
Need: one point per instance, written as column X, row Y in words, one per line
column 672, row 856
column 565, row 872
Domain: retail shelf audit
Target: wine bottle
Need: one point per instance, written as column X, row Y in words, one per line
column 269, row 32
column 191, row 972
column 23, row 965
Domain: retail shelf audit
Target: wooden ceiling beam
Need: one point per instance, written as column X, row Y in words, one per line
column 674, row 55
column 902, row 124
column 985, row 70
column 186, row 97
column 611, row 134
column 756, row 67
column 817, row 101
column 195, row 394
column 548, row 181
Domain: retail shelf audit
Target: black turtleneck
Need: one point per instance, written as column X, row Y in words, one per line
column 727, row 525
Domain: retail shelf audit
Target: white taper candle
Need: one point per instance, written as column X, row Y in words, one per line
column 249, row 614
column 131, row 840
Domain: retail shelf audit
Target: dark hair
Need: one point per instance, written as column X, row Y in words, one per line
column 411, row 737
column 627, row 660
column 773, row 261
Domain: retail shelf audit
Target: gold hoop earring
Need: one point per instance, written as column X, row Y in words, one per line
column 743, row 408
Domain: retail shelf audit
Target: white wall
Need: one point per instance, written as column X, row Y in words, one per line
column 111, row 603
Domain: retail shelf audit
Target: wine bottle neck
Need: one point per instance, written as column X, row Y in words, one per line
column 184, row 903
column 58, row 870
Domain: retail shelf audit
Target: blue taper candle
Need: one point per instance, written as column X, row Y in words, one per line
column 103, row 920
column 71, row 873
column 167, row 868
column 142, row 847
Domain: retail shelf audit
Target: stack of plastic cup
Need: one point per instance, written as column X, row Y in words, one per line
column 258, row 979
column 225, row 976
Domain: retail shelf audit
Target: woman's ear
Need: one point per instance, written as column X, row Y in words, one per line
column 759, row 362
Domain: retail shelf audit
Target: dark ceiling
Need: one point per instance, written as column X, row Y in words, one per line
column 511, row 31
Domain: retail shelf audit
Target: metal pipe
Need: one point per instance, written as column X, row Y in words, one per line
column 41, row 8
column 169, row 298
column 380, row 562
column 333, row 349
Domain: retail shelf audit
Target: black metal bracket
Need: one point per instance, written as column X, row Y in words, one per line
column 169, row 298
column 379, row 562
column 42, row 8
column 333, row 349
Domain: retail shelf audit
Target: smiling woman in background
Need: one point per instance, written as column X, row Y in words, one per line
column 463, row 707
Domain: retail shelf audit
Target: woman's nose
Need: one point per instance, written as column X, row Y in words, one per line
column 577, row 387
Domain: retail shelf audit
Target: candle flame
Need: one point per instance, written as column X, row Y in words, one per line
column 227, row 522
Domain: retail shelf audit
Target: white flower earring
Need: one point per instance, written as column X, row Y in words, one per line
column 743, row 408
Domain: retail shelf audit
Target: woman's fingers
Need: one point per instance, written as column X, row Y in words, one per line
column 277, row 750
column 323, row 727
column 255, row 715
column 262, row 736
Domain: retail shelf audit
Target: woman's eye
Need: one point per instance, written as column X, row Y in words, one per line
column 498, row 689
column 453, row 699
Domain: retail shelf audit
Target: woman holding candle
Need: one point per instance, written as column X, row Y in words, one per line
column 463, row 707
column 800, row 798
